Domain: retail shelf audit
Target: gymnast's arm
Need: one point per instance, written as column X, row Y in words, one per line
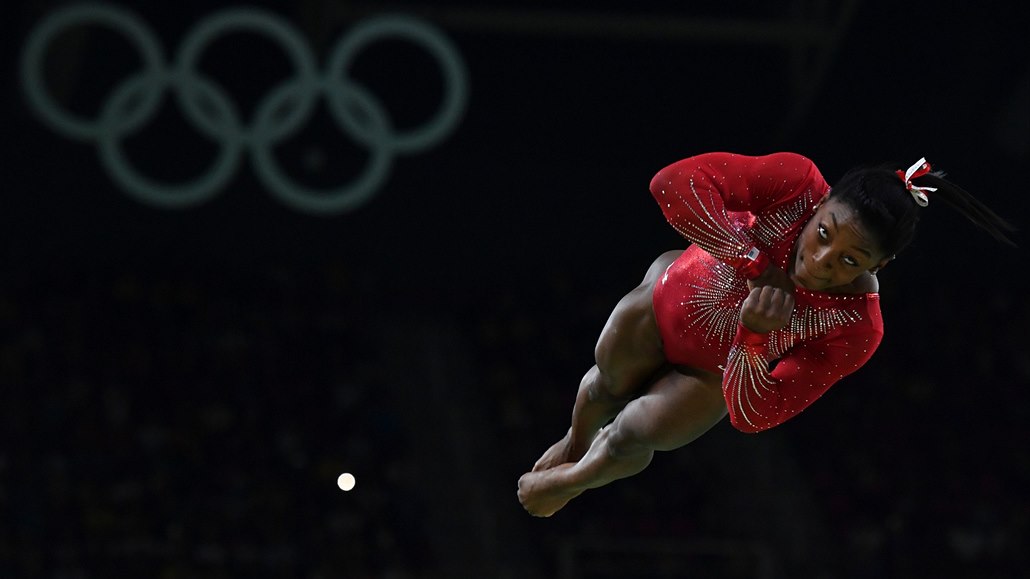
column 759, row 398
column 696, row 193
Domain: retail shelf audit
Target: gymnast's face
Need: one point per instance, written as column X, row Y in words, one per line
column 834, row 248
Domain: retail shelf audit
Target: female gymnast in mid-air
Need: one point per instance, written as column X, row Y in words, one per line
column 774, row 300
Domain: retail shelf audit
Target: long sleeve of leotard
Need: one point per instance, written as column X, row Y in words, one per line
column 759, row 398
column 695, row 194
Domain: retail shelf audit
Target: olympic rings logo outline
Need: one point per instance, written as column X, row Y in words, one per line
column 370, row 126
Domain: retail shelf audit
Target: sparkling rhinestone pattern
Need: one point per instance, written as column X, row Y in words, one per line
column 822, row 343
column 704, row 220
column 770, row 226
column 713, row 306
column 809, row 323
column 748, row 388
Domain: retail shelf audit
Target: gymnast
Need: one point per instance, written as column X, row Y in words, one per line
column 774, row 300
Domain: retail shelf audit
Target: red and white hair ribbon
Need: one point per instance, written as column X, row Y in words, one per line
column 920, row 168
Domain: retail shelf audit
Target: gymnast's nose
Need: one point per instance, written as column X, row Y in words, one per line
column 821, row 258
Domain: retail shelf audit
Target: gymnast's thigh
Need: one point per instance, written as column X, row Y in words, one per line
column 629, row 352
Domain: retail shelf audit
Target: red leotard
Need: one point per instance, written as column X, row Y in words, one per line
column 727, row 204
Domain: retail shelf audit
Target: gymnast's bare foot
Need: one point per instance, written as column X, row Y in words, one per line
column 557, row 454
column 544, row 492
column 562, row 452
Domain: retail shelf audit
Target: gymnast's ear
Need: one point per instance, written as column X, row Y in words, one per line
column 883, row 263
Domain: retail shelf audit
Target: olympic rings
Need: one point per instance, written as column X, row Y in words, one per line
column 281, row 113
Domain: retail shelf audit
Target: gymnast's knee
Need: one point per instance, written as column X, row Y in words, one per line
column 623, row 442
column 603, row 387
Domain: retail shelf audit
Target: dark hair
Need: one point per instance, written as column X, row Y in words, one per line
column 890, row 213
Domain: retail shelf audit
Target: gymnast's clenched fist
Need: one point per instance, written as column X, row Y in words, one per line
column 766, row 308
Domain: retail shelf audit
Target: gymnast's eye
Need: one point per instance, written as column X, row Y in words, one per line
column 823, row 232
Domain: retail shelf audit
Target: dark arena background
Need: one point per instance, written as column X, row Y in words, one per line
column 248, row 247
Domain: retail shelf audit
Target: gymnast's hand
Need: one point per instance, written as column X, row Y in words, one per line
column 767, row 308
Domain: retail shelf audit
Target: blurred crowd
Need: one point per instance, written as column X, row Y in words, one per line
column 186, row 424
column 190, row 423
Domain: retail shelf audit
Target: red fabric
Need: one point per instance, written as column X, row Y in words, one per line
column 727, row 204
column 755, row 263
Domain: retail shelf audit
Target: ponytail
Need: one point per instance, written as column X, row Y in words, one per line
column 970, row 207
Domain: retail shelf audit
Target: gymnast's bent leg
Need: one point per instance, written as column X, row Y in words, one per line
column 678, row 408
column 628, row 356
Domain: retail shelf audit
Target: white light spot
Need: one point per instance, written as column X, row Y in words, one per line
column 346, row 481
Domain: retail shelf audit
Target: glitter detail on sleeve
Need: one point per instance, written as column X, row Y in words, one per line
column 700, row 216
column 697, row 195
column 769, row 226
column 820, row 346
column 749, row 389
